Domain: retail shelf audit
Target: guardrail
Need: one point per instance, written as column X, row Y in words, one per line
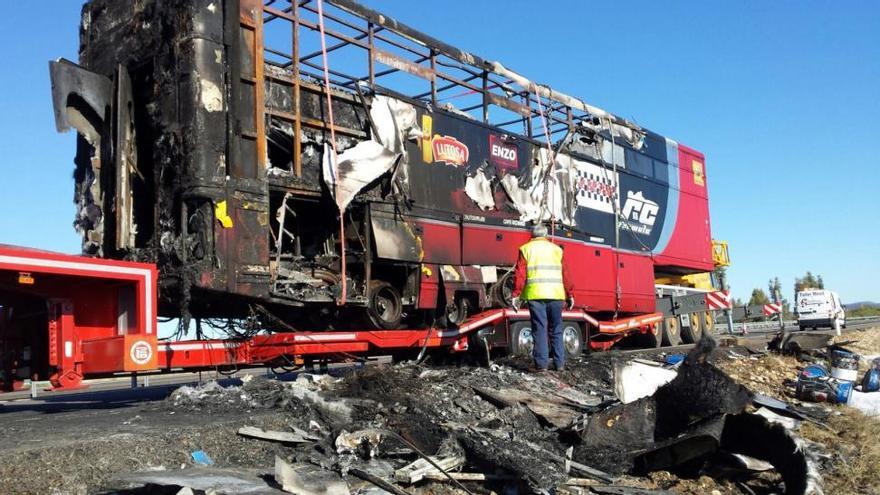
column 774, row 324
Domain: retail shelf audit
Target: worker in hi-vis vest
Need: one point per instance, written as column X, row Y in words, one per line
column 542, row 282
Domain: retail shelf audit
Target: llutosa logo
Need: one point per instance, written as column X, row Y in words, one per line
column 639, row 213
column 449, row 150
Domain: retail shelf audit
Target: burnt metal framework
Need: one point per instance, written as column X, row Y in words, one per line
column 381, row 48
column 369, row 50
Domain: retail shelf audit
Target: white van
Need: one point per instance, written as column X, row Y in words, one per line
column 819, row 308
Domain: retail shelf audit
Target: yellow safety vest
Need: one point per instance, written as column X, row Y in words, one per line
column 544, row 270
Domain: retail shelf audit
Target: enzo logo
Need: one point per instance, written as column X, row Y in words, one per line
column 639, row 213
column 499, row 151
column 503, row 154
column 450, row 150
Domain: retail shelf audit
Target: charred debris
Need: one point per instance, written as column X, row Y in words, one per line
column 203, row 138
column 410, row 429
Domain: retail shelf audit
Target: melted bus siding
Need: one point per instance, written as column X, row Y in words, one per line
column 202, row 148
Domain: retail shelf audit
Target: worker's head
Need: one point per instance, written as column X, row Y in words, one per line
column 539, row 230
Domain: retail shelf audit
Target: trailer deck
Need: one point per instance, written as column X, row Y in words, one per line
column 67, row 317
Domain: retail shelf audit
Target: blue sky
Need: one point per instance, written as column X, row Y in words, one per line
column 783, row 98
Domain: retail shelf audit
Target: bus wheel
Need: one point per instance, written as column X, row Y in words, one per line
column 671, row 331
column 385, row 307
column 693, row 333
column 458, row 311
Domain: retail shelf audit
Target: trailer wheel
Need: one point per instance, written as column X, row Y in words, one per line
column 521, row 342
column 708, row 322
column 385, row 308
column 653, row 338
column 671, row 331
column 572, row 339
column 693, row 333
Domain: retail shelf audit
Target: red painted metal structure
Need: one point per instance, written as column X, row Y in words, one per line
column 64, row 318
column 97, row 317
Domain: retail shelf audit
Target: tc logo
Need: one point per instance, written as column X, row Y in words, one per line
column 141, row 352
column 640, row 209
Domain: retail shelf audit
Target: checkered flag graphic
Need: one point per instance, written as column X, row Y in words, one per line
column 594, row 189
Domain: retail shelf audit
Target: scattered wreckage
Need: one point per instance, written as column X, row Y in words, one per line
column 406, row 429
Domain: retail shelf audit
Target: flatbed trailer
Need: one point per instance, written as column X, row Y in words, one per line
column 64, row 318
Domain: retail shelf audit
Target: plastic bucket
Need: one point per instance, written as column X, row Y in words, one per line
column 823, row 389
column 814, row 371
column 844, row 391
column 845, row 366
column 871, row 380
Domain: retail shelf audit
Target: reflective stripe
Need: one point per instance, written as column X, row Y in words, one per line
column 544, row 267
column 551, row 280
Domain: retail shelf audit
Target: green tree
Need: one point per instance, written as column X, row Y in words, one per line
column 758, row 297
column 808, row 281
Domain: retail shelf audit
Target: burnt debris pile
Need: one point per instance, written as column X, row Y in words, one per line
column 407, row 428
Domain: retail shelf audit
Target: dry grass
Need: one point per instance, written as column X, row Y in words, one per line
column 765, row 374
column 855, row 445
column 867, row 342
column 853, row 438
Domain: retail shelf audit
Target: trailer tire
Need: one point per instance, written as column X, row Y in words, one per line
column 652, row 340
column 521, row 342
column 385, row 307
column 671, row 331
column 572, row 339
column 693, row 333
column 708, row 322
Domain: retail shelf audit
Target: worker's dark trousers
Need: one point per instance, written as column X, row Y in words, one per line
column 546, row 312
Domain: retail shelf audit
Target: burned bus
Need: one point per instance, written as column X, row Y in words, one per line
column 326, row 166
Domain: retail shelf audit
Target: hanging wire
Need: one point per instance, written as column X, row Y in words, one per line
column 333, row 155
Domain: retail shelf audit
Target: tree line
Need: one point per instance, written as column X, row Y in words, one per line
column 774, row 290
